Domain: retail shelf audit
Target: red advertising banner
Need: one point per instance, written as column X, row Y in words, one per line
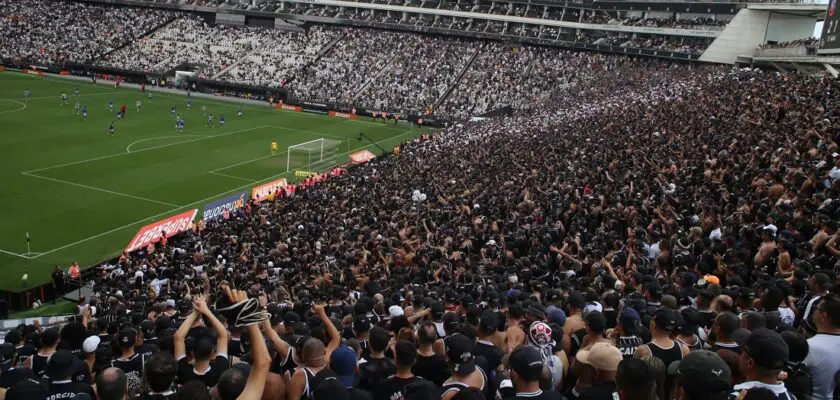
column 342, row 115
column 362, row 157
column 281, row 106
column 168, row 227
column 264, row 191
column 33, row 72
column 2, row 68
column 64, row 72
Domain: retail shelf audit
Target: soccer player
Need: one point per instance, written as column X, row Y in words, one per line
column 273, row 148
column 239, row 112
column 149, row 95
column 172, row 111
column 76, row 91
column 64, row 99
column 111, row 129
column 179, row 124
column 122, row 110
column 27, row 94
column 119, row 115
column 84, row 112
column 189, row 105
column 111, row 105
column 222, row 121
column 138, row 104
column 77, row 108
column 203, row 110
column 210, row 120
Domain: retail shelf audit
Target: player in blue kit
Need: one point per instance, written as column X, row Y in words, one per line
column 222, row 121
column 179, row 124
column 111, row 105
column 27, row 94
column 84, row 112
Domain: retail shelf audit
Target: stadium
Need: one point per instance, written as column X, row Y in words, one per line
column 406, row 199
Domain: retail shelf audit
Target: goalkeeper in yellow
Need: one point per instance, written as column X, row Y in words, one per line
column 273, row 148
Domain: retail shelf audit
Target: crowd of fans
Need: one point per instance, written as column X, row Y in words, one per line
column 150, row 53
column 661, row 231
column 58, row 32
column 682, row 23
column 810, row 42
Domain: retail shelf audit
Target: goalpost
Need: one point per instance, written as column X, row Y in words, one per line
column 313, row 155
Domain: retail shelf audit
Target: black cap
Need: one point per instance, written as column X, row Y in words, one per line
column 437, row 309
column 291, row 318
column 596, row 322
column 450, row 321
column 527, row 362
column 459, row 352
column 766, row 348
column 536, row 309
column 361, row 324
column 27, row 389
column 665, row 319
column 163, row 323
column 148, row 329
column 702, row 371
column 488, row 322
column 61, row 365
column 127, row 337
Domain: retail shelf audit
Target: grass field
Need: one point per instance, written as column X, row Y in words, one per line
column 82, row 195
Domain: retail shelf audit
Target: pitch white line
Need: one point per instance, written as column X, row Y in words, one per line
column 237, row 164
column 15, row 254
column 128, row 148
column 198, row 202
column 233, row 176
column 22, row 106
column 141, row 150
column 100, row 189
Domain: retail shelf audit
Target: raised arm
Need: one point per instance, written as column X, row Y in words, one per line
column 222, row 334
column 181, row 335
column 332, row 333
column 260, row 359
column 279, row 344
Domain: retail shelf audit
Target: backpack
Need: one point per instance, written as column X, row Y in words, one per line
column 799, row 380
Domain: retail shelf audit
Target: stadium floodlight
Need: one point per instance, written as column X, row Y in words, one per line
column 313, row 155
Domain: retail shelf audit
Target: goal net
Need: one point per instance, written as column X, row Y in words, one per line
column 314, row 155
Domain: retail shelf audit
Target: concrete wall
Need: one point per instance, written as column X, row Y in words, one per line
column 741, row 37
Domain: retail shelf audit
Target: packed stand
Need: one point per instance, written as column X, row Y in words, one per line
column 351, row 62
column 151, row 53
column 58, row 32
column 283, row 56
column 810, row 42
column 684, row 23
column 224, row 46
column 646, row 235
column 418, row 78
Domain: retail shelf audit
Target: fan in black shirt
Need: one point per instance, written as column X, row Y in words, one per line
column 62, row 366
column 429, row 365
column 202, row 368
column 160, row 373
column 526, row 366
column 11, row 375
column 394, row 386
column 378, row 367
column 130, row 362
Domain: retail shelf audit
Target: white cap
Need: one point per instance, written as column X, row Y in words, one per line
column 491, row 242
column 271, row 264
column 138, row 274
column 170, row 302
column 396, row 311
column 119, row 293
column 90, row 344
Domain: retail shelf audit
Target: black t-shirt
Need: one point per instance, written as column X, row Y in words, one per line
column 68, row 389
column 431, row 368
column 186, row 371
column 490, row 352
column 604, row 391
column 15, row 375
column 25, row 351
column 147, row 349
column 237, row 347
column 58, row 279
column 133, row 368
column 393, row 388
column 373, row 372
column 539, row 395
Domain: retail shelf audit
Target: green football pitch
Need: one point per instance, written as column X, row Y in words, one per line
column 81, row 194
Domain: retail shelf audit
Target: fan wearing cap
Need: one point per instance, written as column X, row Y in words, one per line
column 339, row 380
column 764, row 354
column 8, row 373
column 149, row 345
column 626, row 332
column 661, row 346
column 130, row 361
column 465, row 374
column 526, row 371
column 602, row 361
column 60, row 369
column 204, row 367
column 49, row 343
column 701, row 375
